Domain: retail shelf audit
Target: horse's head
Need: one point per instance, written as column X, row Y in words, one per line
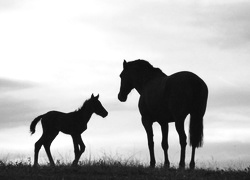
column 97, row 106
column 126, row 83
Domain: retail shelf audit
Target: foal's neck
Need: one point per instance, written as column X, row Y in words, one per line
column 86, row 114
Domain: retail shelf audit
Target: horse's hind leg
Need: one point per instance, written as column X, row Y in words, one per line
column 183, row 141
column 49, row 137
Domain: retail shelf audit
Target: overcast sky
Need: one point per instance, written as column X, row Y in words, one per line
column 55, row 53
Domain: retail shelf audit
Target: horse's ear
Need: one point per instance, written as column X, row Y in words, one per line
column 97, row 96
column 92, row 96
column 124, row 64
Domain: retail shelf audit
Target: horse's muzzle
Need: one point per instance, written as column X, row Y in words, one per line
column 122, row 98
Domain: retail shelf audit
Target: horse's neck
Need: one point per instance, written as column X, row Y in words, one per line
column 142, row 83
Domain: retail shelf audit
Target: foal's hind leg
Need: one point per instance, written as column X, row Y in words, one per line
column 49, row 137
column 38, row 146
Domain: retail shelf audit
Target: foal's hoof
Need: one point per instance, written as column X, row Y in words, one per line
column 74, row 164
column 181, row 166
column 35, row 166
column 166, row 165
column 152, row 165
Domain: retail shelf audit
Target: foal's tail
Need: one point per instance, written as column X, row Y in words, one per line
column 33, row 124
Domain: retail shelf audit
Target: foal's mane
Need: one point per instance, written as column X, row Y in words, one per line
column 80, row 109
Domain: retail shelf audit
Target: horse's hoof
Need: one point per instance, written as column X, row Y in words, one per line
column 191, row 166
column 181, row 166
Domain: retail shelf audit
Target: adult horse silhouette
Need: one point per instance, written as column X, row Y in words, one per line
column 73, row 123
column 166, row 99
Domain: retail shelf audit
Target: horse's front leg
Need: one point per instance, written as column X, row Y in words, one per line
column 149, row 130
column 192, row 163
column 164, row 143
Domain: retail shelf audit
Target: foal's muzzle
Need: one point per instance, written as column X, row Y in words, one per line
column 104, row 114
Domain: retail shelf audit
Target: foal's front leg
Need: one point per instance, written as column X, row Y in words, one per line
column 77, row 140
column 76, row 149
column 82, row 147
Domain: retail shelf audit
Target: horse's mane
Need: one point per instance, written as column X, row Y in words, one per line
column 144, row 65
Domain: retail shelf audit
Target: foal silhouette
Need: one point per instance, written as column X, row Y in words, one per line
column 166, row 99
column 73, row 123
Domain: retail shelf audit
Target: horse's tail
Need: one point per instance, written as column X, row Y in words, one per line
column 33, row 124
column 196, row 131
column 196, row 118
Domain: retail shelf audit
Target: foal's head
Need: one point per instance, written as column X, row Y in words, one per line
column 97, row 107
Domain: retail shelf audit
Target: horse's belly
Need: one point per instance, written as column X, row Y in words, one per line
column 161, row 113
column 156, row 108
column 158, row 101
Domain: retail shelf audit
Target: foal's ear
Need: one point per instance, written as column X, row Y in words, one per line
column 124, row 64
column 92, row 96
column 97, row 96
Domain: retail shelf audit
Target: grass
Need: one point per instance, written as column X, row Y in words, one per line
column 108, row 168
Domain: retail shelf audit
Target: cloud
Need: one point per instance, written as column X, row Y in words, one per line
column 15, row 106
column 15, row 112
column 227, row 24
column 4, row 5
column 13, row 85
column 235, row 97
column 154, row 25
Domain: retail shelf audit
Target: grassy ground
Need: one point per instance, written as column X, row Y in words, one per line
column 105, row 168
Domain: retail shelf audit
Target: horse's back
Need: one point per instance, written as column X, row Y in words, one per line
column 174, row 95
column 185, row 89
column 185, row 83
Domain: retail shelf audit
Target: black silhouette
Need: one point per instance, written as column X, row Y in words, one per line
column 166, row 99
column 73, row 123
